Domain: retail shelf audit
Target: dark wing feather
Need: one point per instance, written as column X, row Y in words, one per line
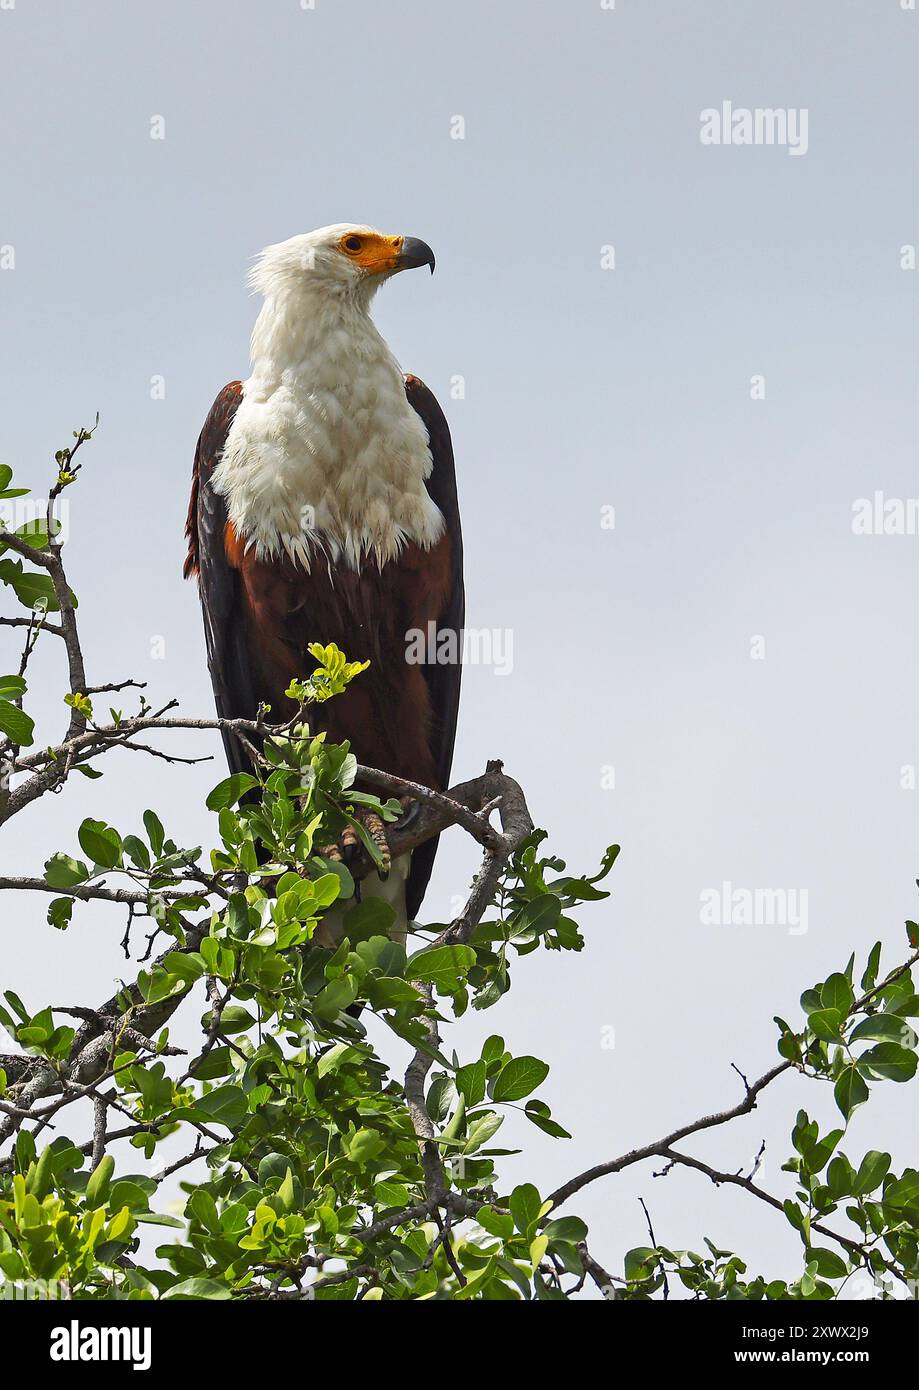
column 218, row 583
column 443, row 680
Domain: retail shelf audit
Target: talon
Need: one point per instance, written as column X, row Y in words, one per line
column 332, row 852
column 411, row 810
column 376, row 829
column 350, row 844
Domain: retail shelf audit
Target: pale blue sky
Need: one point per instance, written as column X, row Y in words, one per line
column 585, row 388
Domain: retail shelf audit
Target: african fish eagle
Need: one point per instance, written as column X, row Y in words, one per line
column 323, row 508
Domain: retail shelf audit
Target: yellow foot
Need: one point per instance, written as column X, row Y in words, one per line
column 349, row 843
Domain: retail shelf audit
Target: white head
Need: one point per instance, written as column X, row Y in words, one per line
column 346, row 260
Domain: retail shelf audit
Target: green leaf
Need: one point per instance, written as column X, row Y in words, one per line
column 829, row 1264
column 888, row 1062
column 495, row 1223
column 850, row 1091
column 197, row 1288
column 826, row 1024
column 35, row 591
column 16, row 724
column 337, row 996
column 372, row 917
column 155, row 832
column 187, row 965
column 903, row 1192
column 365, row 1145
column 12, row 687
column 518, row 1078
column 390, row 993
column 540, row 1115
column 35, row 532
column 441, row 965
column 481, row 1129
column 840, row 1176
column 99, row 1181
column 229, row 791
column 327, row 889
column 287, row 1191
column 869, row 979
column 226, row 1105
column 16, row 1003
column 569, row 1228
column 203, row 1208
column 381, row 954
column 836, row 993
column 218, row 1062
column 816, row 1155
column 525, row 1205
column 886, row 1028
column 60, row 911
column 125, row 1193
column 63, row 872
column 101, row 843
column 440, row 1097
column 872, row 1171
column 138, row 851
column 538, row 916
column 234, row 1019
column 640, row 1263
column 471, row 1081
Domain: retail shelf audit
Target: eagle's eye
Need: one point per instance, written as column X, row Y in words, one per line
column 352, row 244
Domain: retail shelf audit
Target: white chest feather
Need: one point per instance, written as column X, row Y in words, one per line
column 325, row 454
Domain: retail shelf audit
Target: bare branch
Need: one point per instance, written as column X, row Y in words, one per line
column 853, row 1248
column 661, row 1147
column 83, row 892
column 516, row 825
column 27, row 622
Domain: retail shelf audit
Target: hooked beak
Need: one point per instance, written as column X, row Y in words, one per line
column 414, row 253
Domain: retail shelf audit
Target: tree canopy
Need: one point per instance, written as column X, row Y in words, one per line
column 309, row 1169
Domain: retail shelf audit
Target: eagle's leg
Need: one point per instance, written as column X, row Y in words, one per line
column 376, row 829
column 332, row 852
column 349, row 844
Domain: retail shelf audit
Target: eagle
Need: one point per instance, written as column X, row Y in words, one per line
column 324, row 509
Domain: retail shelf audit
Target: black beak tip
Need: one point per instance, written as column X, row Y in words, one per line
column 416, row 253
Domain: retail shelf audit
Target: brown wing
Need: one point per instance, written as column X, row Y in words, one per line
column 218, row 583
column 262, row 614
column 443, row 681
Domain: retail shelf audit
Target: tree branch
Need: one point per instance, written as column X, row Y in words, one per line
column 660, row 1147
